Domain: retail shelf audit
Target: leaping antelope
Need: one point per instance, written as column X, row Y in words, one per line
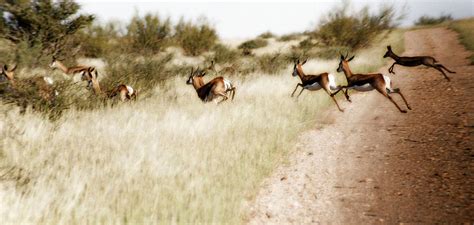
column 55, row 63
column 126, row 92
column 368, row 82
column 217, row 87
column 415, row 61
column 42, row 83
column 324, row 81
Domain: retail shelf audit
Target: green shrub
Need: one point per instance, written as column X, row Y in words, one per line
column 148, row 34
column 99, row 40
column 306, row 44
column 289, row 37
column 143, row 73
column 223, row 54
column 339, row 28
column 428, row 20
column 272, row 63
column 266, row 35
column 195, row 38
column 254, row 44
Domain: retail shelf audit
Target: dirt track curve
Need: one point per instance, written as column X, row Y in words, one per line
column 374, row 165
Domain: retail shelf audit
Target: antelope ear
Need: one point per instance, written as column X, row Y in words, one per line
column 342, row 57
column 304, row 61
column 389, row 47
column 298, row 62
column 13, row 69
column 5, row 68
column 351, row 58
column 204, row 73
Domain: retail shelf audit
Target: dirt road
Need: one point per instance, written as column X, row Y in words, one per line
column 375, row 165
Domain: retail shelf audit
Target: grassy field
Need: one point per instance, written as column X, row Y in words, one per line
column 164, row 159
column 465, row 28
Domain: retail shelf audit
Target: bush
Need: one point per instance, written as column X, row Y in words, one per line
column 357, row 30
column 428, row 20
column 266, row 35
column 195, row 38
column 97, row 40
column 306, row 44
column 46, row 24
column 148, row 34
column 254, row 44
column 289, row 37
column 224, row 54
column 272, row 63
column 143, row 74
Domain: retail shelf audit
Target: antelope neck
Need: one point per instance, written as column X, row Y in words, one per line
column 301, row 74
column 197, row 83
column 394, row 56
column 62, row 67
column 346, row 69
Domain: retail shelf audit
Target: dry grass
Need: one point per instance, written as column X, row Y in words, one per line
column 465, row 28
column 166, row 159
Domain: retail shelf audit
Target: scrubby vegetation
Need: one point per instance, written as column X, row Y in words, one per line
column 429, row 20
column 254, row 44
column 103, row 162
column 355, row 30
column 266, row 35
column 195, row 38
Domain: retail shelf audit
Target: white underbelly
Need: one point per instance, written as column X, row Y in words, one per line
column 313, row 87
column 365, row 87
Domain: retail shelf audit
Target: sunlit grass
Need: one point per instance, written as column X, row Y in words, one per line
column 465, row 28
column 167, row 158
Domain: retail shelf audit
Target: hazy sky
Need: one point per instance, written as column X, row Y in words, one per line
column 239, row 19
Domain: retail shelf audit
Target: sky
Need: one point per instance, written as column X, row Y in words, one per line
column 245, row 19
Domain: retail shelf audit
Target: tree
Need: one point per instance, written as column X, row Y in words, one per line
column 47, row 24
column 195, row 38
column 148, row 34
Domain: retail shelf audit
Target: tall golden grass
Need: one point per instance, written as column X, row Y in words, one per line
column 166, row 159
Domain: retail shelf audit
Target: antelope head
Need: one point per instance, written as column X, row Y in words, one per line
column 9, row 73
column 297, row 69
column 195, row 77
column 344, row 62
column 89, row 75
column 53, row 63
column 389, row 52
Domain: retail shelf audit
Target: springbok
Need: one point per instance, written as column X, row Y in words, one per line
column 55, row 63
column 43, row 84
column 324, row 81
column 217, row 87
column 368, row 82
column 126, row 92
column 415, row 61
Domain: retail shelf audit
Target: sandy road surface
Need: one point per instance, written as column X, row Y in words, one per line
column 374, row 165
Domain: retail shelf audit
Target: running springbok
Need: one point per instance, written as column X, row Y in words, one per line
column 217, row 87
column 415, row 61
column 43, row 84
column 368, row 82
column 55, row 63
column 324, row 81
column 126, row 92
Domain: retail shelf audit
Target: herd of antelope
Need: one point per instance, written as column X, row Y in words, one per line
column 221, row 88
